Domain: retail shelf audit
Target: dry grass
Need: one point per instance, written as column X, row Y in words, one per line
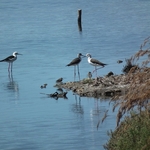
column 102, row 120
column 139, row 77
column 134, row 131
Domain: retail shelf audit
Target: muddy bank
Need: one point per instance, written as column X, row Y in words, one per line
column 107, row 86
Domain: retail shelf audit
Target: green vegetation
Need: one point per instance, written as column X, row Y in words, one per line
column 132, row 134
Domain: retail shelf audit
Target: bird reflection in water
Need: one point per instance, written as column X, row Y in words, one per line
column 12, row 85
column 97, row 109
column 77, row 107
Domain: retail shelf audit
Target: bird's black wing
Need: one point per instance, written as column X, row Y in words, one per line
column 7, row 59
column 59, row 80
column 74, row 62
column 95, row 61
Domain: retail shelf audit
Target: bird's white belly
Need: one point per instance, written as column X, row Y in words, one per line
column 89, row 60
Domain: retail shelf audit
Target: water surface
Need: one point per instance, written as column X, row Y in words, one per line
column 47, row 35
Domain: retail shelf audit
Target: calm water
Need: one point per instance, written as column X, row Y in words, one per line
column 47, row 35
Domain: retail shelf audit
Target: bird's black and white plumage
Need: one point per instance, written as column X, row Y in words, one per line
column 75, row 62
column 10, row 60
column 94, row 62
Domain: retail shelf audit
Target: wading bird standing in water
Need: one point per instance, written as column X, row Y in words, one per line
column 95, row 62
column 10, row 60
column 75, row 62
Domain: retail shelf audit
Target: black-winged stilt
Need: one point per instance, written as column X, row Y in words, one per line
column 95, row 62
column 75, row 62
column 11, row 59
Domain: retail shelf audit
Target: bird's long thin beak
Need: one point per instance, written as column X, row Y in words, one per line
column 83, row 56
column 19, row 54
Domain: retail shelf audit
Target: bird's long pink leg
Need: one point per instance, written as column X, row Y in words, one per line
column 8, row 67
column 11, row 66
column 74, row 72
column 97, row 69
column 78, row 72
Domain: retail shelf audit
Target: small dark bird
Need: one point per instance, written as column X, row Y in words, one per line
column 89, row 75
column 110, row 74
column 75, row 62
column 94, row 62
column 119, row 61
column 59, row 80
column 57, row 95
column 10, row 60
column 62, row 95
column 54, row 94
column 43, row 86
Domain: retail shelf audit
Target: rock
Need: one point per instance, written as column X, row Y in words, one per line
column 107, row 86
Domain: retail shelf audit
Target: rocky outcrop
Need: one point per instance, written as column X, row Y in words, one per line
column 108, row 86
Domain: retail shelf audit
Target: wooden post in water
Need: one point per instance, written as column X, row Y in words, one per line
column 79, row 19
